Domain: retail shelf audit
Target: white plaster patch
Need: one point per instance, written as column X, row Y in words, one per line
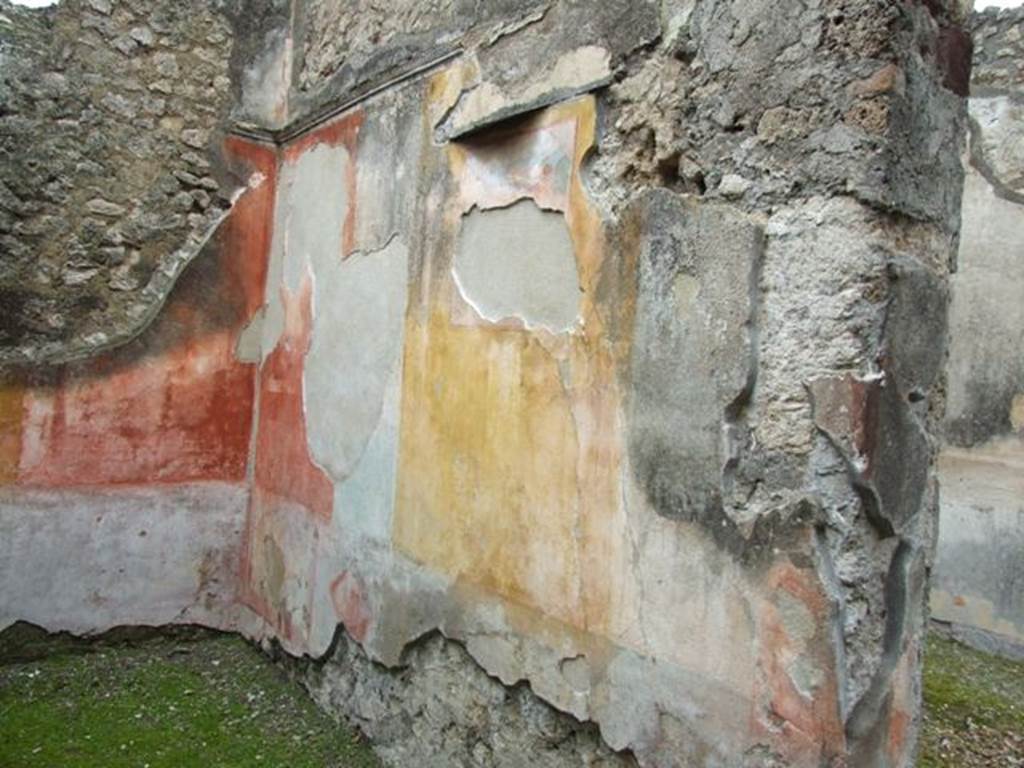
column 646, row 689
column 518, row 263
column 576, row 672
column 84, row 561
column 364, row 502
column 317, row 206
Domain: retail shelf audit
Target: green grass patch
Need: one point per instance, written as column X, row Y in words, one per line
column 212, row 701
column 974, row 708
column 165, row 703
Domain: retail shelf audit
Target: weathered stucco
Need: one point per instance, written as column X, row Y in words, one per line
column 85, row 560
column 517, row 262
column 736, row 381
column 979, row 571
column 590, row 372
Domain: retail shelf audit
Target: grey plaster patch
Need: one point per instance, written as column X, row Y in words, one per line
column 700, row 707
column 317, row 204
column 365, row 500
column 576, row 671
column 248, row 346
column 693, row 357
column 518, row 262
column 358, row 314
column 308, row 222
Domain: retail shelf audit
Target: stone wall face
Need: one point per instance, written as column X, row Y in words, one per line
column 123, row 478
column 107, row 189
column 125, row 411
column 643, row 309
column 596, row 375
column 979, row 571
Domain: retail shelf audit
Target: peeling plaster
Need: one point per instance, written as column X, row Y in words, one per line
column 503, row 410
column 572, row 74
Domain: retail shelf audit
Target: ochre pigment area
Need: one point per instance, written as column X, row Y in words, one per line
column 495, row 484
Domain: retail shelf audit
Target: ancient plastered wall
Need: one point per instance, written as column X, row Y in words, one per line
column 127, row 379
column 605, row 356
column 979, row 572
column 123, row 479
column 594, row 378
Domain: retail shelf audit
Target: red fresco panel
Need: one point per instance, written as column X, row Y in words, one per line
column 175, row 405
column 284, row 467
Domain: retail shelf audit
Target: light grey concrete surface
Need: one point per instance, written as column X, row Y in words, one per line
column 88, row 560
column 516, row 263
column 979, row 576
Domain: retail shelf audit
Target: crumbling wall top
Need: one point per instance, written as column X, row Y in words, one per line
column 108, row 185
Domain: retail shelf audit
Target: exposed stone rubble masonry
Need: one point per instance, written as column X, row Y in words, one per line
column 107, row 187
